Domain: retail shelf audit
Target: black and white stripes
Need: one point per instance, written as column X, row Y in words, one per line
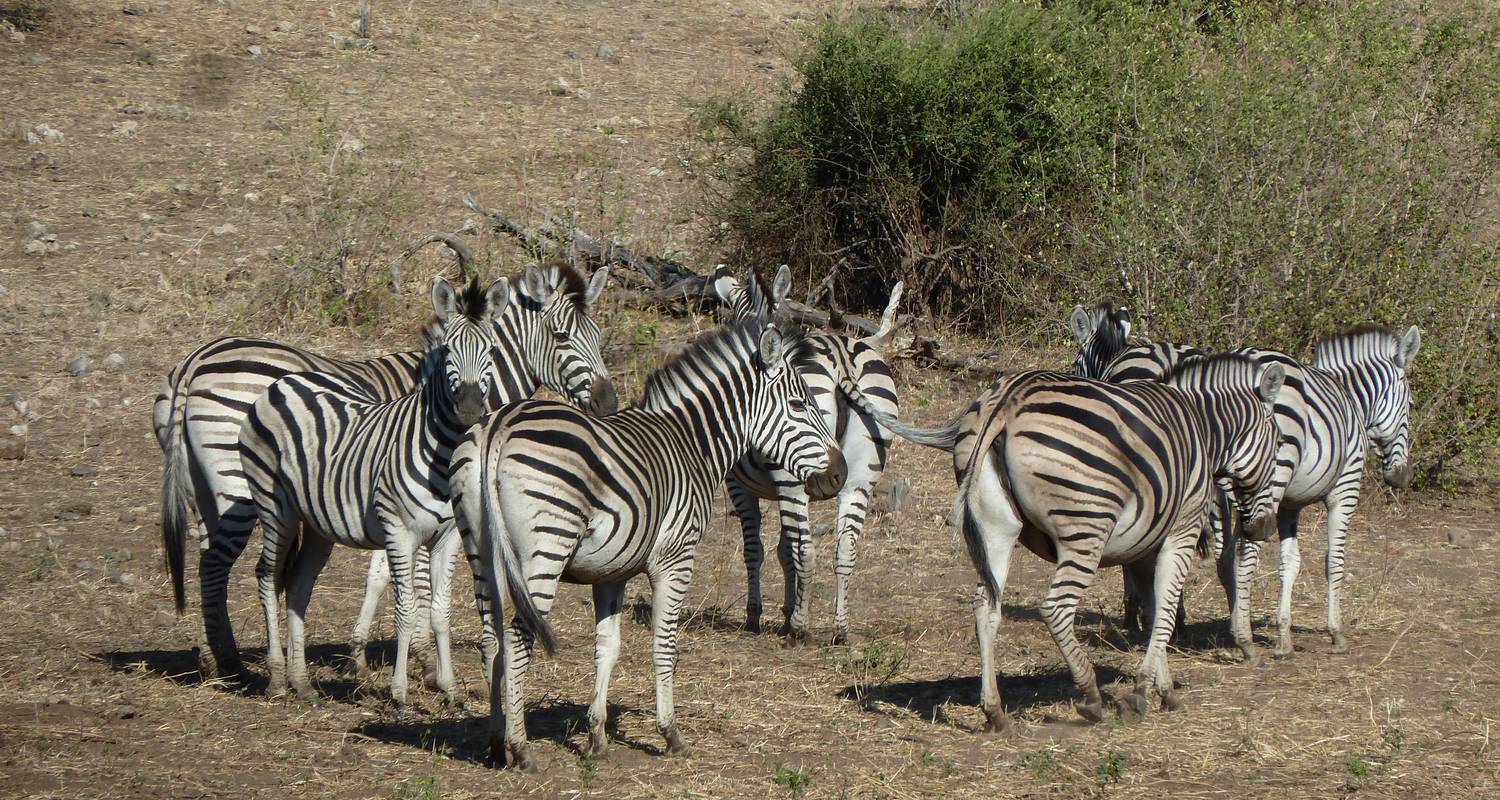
column 544, row 493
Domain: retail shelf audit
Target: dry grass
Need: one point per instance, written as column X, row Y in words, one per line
column 97, row 699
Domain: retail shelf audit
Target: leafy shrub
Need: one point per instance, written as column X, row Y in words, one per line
column 1237, row 172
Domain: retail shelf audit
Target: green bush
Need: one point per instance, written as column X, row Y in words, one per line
column 1237, row 172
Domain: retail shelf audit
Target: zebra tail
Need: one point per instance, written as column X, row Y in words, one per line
column 515, row 576
column 989, row 437
column 176, row 506
column 942, row 437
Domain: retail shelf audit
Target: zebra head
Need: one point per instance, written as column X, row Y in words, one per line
column 468, row 340
column 1240, row 402
column 750, row 300
column 1371, row 363
column 560, row 339
column 783, row 426
column 1101, row 334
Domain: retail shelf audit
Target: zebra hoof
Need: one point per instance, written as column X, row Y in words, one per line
column 518, row 757
column 1340, row 646
column 840, row 637
column 1171, row 700
column 752, row 620
column 1093, row 712
column 794, row 639
column 1255, row 661
column 308, row 695
column 675, row 747
column 598, row 748
column 1283, row 651
column 1132, row 707
column 453, row 700
column 996, row 721
column 399, row 711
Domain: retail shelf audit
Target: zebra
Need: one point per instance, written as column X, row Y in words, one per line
column 1354, row 394
column 1088, row 474
column 546, row 337
column 329, row 463
column 835, row 360
column 544, row 493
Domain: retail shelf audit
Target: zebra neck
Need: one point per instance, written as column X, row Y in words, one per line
column 1362, row 382
column 434, row 404
column 515, row 379
column 713, row 414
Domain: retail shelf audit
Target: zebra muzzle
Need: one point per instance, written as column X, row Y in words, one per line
column 469, row 405
column 1399, row 476
column 1261, row 528
column 603, row 400
column 826, row 484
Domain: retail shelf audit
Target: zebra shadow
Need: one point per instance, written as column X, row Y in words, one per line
column 931, row 699
column 560, row 723
column 181, row 667
column 709, row 618
column 1107, row 631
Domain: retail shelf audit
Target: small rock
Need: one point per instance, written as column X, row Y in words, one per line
column 19, row 429
column 121, row 555
column 583, row 94
column 176, row 113
column 182, row 188
column 251, row 198
column 351, row 147
column 118, row 42
column 92, row 403
column 355, row 43
column 79, row 365
column 10, row 547
column 124, row 129
column 36, row 247
column 44, row 133
column 68, row 516
column 12, row 448
column 21, row 405
column 165, row 619
column 126, row 579
column 470, row 225
column 35, row 229
column 284, row 26
column 83, row 472
column 15, row 36
column 655, row 172
column 225, row 229
column 133, row 10
column 114, row 362
column 89, row 211
column 71, row 246
column 34, row 59
column 253, row 30
column 256, row 52
column 127, row 516
column 84, row 565
column 560, row 87
column 1460, row 537
column 605, row 51
column 143, row 57
column 80, row 507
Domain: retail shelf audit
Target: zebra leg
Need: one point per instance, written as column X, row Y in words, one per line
column 421, row 631
column 1291, row 563
column 1237, row 563
column 377, row 579
column 747, row 508
column 667, row 593
column 854, row 503
column 1172, row 564
column 489, row 612
column 1134, row 627
column 401, row 550
column 609, row 599
column 440, row 565
column 226, row 542
column 280, row 534
column 1077, row 563
column 311, row 557
column 991, row 526
column 1340, row 509
column 795, row 551
column 507, row 702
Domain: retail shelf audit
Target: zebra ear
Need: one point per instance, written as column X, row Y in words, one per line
column 1407, row 348
column 534, row 283
column 782, row 285
column 1080, row 324
column 444, row 299
column 771, row 345
column 496, row 298
column 1269, row 384
column 596, row 286
column 1123, row 316
column 725, row 285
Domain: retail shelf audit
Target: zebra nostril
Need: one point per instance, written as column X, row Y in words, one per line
column 1399, row 476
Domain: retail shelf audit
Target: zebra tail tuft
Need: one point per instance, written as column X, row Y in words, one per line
column 515, row 577
column 176, row 508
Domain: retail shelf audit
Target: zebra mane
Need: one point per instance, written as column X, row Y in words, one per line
column 1199, row 368
column 568, row 281
column 1366, row 335
column 470, row 304
column 1107, row 331
column 711, row 347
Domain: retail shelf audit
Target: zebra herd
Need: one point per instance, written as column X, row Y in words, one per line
column 1144, row 455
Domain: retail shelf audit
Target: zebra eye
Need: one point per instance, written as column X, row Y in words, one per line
column 560, row 335
column 797, row 405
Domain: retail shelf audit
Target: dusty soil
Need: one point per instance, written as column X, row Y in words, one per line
column 99, row 698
